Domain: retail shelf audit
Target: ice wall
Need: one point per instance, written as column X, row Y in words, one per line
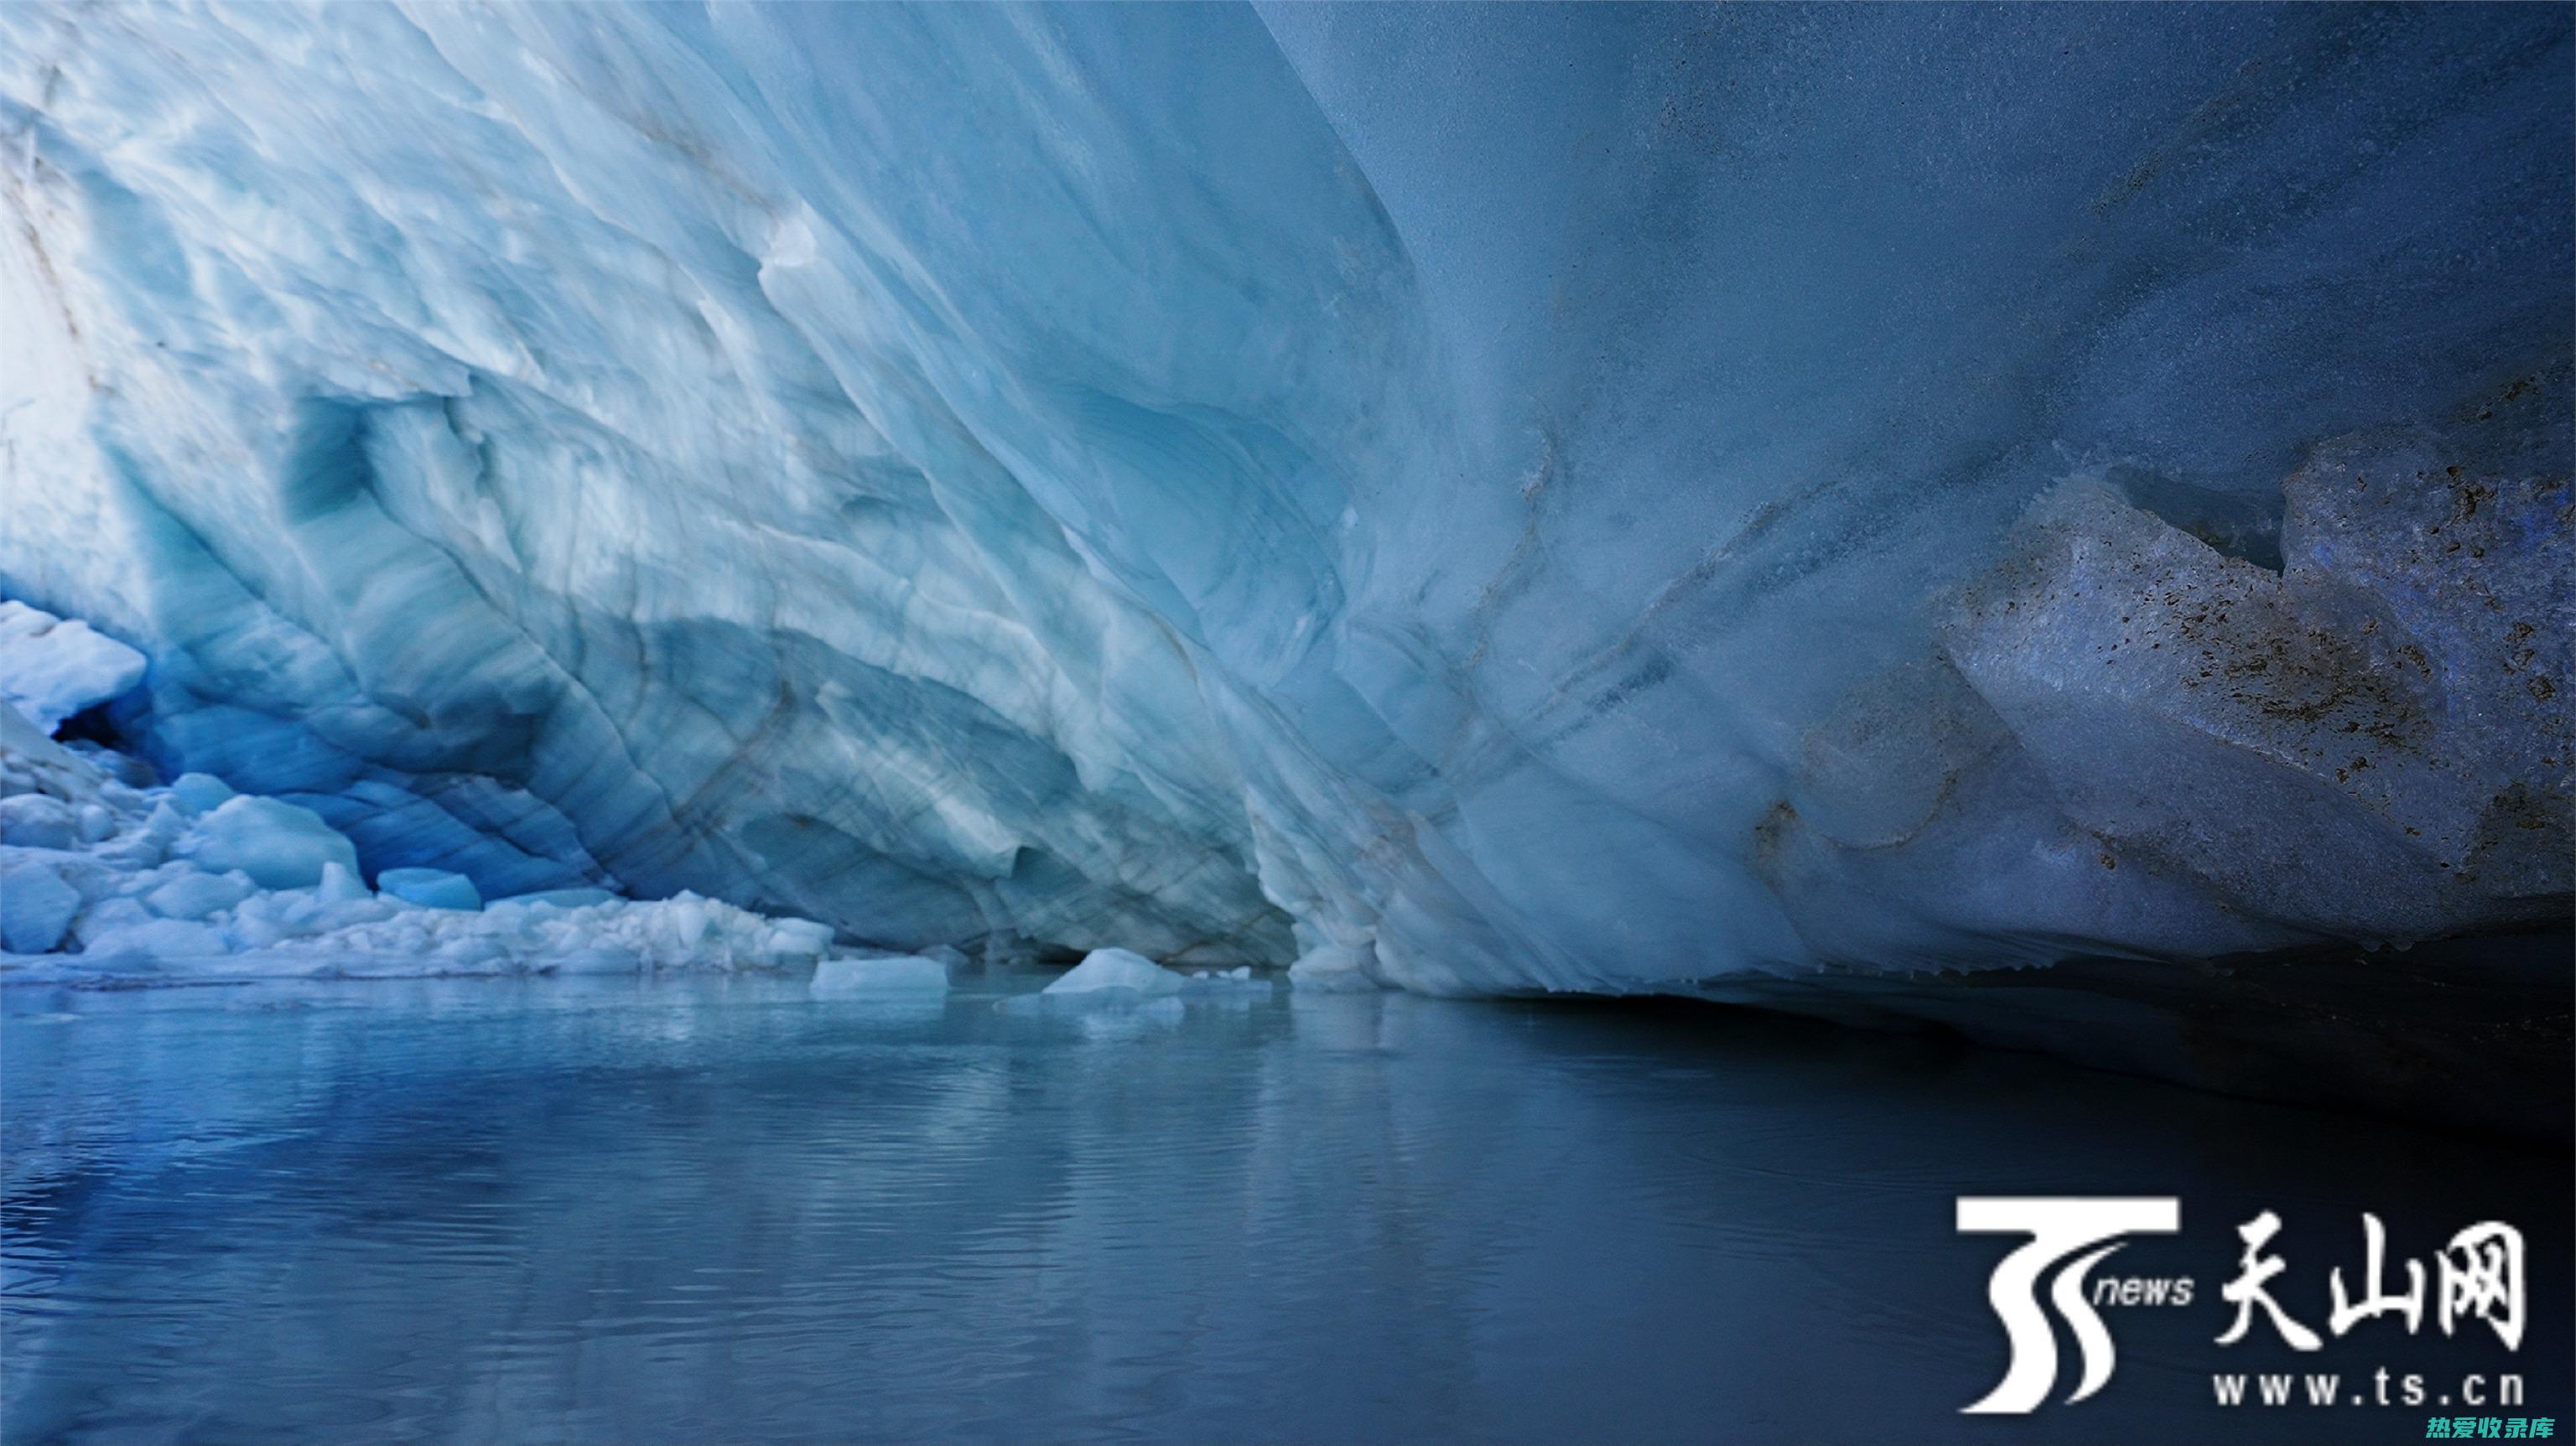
column 1589, row 498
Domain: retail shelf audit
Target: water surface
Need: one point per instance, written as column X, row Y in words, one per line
column 716, row 1209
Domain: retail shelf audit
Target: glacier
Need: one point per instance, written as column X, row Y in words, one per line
column 110, row 881
column 1736, row 502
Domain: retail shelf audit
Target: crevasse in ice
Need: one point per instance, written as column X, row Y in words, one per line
column 1606, row 499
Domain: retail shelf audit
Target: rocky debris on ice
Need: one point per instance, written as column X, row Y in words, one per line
column 2154, row 747
column 103, row 881
column 52, row 668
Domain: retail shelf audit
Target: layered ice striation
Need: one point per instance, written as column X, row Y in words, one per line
column 1480, row 499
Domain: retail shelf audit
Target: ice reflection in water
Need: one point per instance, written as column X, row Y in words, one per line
column 721, row 1210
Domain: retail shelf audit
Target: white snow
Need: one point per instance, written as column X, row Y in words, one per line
column 52, row 668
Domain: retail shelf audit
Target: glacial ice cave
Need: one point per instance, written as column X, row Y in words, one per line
column 1990, row 516
column 1321, row 723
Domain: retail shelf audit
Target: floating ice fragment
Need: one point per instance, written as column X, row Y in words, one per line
column 889, row 974
column 1105, row 969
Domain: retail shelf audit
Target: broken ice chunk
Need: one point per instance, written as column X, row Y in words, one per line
column 51, row 669
column 892, row 974
column 340, row 886
column 36, row 906
column 195, row 895
column 789, row 938
column 200, row 793
column 563, row 898
column 33, row 821
column 159, row 939
column 280, row 845
column 431, row 888
column 93, row 823
column 1106, row 969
